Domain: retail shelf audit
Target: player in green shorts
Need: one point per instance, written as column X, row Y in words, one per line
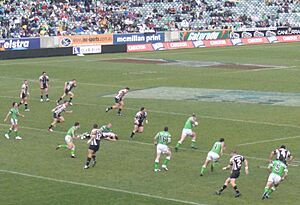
column 14, row 114
column 161, row 140
column 278, row 173
column 187, row 131
column 70, row 136
column 214, row 155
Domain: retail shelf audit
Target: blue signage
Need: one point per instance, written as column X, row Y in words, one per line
column 19, row 44
column 138, row 38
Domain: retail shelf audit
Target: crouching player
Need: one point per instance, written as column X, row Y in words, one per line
column 235, row 163
column 161, row 140
column 57, row 111
column 278, row 173
column 139, row 120
column 69, row 139
column 214, row 155
column 108, row 133
column 187, row 131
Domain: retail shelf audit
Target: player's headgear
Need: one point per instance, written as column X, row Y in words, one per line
column 76, row 124
column 222, row 139
column 166, row 129
column 283, row 146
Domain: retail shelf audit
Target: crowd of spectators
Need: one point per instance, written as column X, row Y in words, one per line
column 24, row 18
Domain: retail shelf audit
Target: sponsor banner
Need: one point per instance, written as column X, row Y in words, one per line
column 221, row 42
column 70, row 41
column 198, row 44
column 158, row 46
column 138, row 38
column 272, row 39
column 293, row 38
column 252, row 33
column 19, row 44
column 139, row 47
column 204, row 35
column 283, row 31
column 87, row 49
column 261, row 40
column 178, row 45
column 236, row 42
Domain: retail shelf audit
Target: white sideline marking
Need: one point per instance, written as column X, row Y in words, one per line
column 270, row 140
column 99, row 187
column 185, row 114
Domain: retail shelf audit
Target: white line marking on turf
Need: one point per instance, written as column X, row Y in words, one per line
column 270, row 140
column 99, row 187
column 185, row 114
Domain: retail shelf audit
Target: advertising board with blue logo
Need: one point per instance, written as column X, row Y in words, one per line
column 138, row 38
column 19, row 44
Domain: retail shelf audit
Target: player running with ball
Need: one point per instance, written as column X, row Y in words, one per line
column 278, row 173
column 187, row 131
column 214, row 155
column 13, row 113
column 69, row 139
column 161, row 140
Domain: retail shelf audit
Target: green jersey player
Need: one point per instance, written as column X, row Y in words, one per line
column 278, row 173
column 14, row 114
column 214, row 155
column 161, row 140
column 187, row 131
column 70, row 136
column 108, row 133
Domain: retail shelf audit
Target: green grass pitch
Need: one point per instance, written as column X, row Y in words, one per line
column 33, row 172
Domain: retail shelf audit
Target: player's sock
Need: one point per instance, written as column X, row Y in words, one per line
column 63, row 146
column 16, row 133
column 167, row 160
column 70, row 99
column 47, row 96
column 193, row 144
column 156, row 164
column 9, row 131
column 59, row 100
column 178, row 145
column 203, row 170
column 266, row 190
column 42, row 97
column 270, row 191
column 88, row 160
column 94, row 158
column 20, row 103
column 236, row 189
column 26, row 106
column 131, row 136
column 50, row 127
column 119, row 111
column 73, row 151
column 223, row 188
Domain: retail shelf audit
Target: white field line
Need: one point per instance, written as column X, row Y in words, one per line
column 270, row 140
column 137, row 142
column 258, row 70
column 99, row 187
column 185, row 114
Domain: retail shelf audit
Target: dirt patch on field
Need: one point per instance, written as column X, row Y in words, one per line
column 138, row 61
column 242, row 66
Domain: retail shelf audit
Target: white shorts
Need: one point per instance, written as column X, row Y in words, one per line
column 212, row 156
column 13, row 121
column 274, row 178
column 162, row 148
column 68, row 139
column 109, row 134
column 187, row 132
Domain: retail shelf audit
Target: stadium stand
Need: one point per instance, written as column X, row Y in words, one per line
column 24, row 18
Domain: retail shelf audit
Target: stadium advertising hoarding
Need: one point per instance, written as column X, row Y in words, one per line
column 204, row 35
column 19, row 44
column 265, row 32
column 85, row 40
column 138, row 38
column 87, row 49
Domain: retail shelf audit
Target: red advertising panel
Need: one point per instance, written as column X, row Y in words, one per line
column 178, row 45
column 214, row 43
column 292, row 38
column 139, row 47
column 260, row 40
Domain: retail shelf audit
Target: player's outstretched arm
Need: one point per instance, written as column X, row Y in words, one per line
column 246, row 167
column 271, row 156
column 6, row 117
